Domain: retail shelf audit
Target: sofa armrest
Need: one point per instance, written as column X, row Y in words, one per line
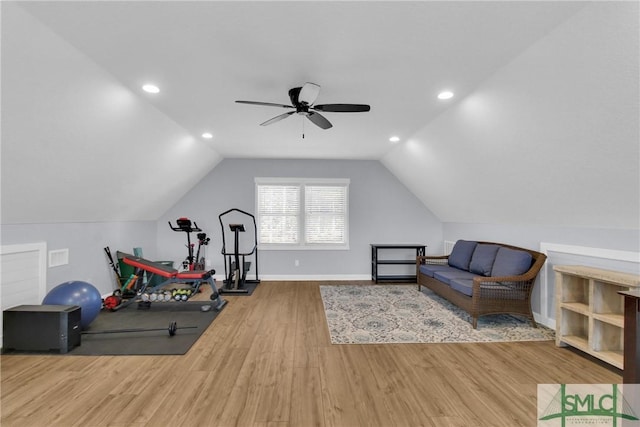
column 505, row 287
column 438, row 259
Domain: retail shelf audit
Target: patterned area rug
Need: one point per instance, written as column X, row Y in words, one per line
column 374, row 314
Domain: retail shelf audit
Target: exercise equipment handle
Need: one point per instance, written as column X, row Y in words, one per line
column 186, row 228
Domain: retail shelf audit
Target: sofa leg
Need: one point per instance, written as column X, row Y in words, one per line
column 533, row 322
column 474, row 323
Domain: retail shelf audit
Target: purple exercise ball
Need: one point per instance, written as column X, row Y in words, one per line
column 79, row 293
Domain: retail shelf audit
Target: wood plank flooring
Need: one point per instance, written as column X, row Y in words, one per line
column 267, row 361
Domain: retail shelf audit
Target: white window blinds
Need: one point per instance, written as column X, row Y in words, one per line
column 279, row 214
column 325, row 214
column 302, row 213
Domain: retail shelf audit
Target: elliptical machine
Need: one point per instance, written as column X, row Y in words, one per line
column 236, row 265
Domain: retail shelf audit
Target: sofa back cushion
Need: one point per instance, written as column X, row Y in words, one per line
column 482, row 259
column 511, row 262
column 461, row 253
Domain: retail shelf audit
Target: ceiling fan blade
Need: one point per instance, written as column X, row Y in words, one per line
column 342, row 108
column 269, row 104
column 277, row 118
column 319, row 120
column 308, row 93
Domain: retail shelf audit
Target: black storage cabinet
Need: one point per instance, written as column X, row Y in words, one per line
column 46, row 328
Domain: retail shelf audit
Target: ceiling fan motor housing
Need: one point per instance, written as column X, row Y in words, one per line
column 302, row 107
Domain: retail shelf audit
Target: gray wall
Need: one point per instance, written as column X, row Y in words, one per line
column 85, row 241
column 531, row 236
column 381, row 210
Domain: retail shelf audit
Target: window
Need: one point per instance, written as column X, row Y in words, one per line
column 301, row 213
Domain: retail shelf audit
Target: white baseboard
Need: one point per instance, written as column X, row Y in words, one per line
column 303, row 277
column 543, row 320
column 290, row 278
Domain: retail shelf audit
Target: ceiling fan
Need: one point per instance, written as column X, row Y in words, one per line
column 302, row 99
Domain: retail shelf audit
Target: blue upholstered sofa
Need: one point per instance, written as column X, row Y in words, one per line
column 483, row 277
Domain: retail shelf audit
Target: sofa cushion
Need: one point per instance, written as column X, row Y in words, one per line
column 482, row 259
column 511, row 262
column 464, row 286
column 454, row 273
column 429, row 269
column 461, row 253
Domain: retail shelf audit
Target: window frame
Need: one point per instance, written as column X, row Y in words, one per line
column 301, row 183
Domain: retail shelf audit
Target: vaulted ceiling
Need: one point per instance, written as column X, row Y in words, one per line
column 74, row 115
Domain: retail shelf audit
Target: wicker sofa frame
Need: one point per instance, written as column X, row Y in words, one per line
column 491, row 295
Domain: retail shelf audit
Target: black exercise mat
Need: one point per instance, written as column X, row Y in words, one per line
column 158, row 316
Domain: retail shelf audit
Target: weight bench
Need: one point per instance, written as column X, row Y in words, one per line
column 193, row 278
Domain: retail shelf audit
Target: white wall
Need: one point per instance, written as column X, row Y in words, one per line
column 551, row 139
column 381, row 210
column 531, row 235
column 85, row 241
column 77, row 145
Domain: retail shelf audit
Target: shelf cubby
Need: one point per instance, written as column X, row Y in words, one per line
column 606, row 299
column 608, row 342
column 575, row 290
column 574, row 325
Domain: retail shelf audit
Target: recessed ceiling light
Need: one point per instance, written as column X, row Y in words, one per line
column 151, row 88
column 207, row 135
column 445, row 95
column 394, row 139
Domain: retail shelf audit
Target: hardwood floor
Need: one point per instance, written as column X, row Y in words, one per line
column 267, row 361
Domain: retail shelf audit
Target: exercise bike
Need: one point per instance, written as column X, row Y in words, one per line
column 192, row 262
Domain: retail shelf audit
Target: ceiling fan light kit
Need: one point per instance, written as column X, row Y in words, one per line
column 302, row 99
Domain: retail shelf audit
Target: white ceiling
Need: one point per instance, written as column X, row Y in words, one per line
column 395, row 56
column 543, row 128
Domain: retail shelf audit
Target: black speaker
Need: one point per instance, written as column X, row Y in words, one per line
column 49, row 328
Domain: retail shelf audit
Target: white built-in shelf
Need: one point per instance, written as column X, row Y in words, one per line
column 590, row 312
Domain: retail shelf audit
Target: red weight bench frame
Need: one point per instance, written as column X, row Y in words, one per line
column 193, row 278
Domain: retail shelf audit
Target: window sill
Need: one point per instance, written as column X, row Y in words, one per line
column 263, row 247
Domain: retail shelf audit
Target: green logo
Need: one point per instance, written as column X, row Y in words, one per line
column 588, row 404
